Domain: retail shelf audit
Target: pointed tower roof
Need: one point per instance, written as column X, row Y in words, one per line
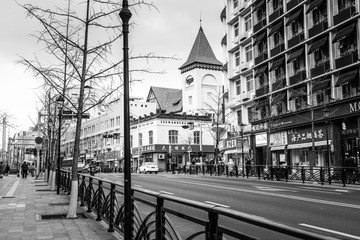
column 201, row 54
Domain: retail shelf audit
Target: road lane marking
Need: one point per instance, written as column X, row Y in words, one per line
column 169, row 193
column 217, row 204
column 273, row 189
column 313, row 189
column 305, row 199
column 330, row 231
column 341, row 190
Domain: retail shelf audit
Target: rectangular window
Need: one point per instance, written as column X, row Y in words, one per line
column 248, row 50
column 190, row 100
column 173, row 136
column 236, row 29
column 196, row 137
column 235, row 4
column 238, row 87
column 140, row 139
column 249, row 83
column 247, row 19
column 294, row 28
column 118, row 121
column 239, row 117
column 276, row 38
column 237, row 58
column 151, row 137
column 131, row 141
column 250, row 113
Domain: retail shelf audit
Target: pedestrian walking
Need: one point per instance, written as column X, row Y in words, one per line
column 24, row 169
column 2, row 169
column 7, row 169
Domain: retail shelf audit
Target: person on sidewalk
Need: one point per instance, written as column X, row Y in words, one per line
column 24, row 169
column 2, row 169
column 7, row 170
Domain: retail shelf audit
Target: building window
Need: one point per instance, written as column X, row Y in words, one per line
column 247, row 19
column 238, row 87
column 140, row 140
column 237, row 58
column 235, row 4
column 118, row 121
column 239, row 117
column 190, row 100
column 249, row 83
column 250, row 113
column 236, row 29
column 173, row 136
column 296, row 66
column 294, row 28
column 276, row 38
column 112, row 122
column 248, row 50
column 131, row 141
column 196, row 137
column 151, row 137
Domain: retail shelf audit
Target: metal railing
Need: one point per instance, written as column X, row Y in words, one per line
column 342, row 175
column 162, row 216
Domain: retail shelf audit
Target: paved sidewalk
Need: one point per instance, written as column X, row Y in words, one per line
column 24, row 203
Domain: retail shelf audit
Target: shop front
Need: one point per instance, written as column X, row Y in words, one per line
column 278, row 143
column 236, row 149
column 350, row 142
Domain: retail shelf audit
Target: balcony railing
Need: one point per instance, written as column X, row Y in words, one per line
column 259, row 25
column 291, row 4
column 318, row 28
column 279, row 84
column 298, row 77
column 277, row 13
column 262, row 57
column 298, row 38
column 278, row 49
column 346, row 60
column 320, row 69
column 344, row 15
column 262, row 90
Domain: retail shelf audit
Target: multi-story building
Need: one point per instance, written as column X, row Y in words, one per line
column 293, row 78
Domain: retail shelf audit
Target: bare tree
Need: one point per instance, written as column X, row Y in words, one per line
column 80, row 50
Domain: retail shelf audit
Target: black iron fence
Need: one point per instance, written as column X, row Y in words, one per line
column 161, row 216
column 342, row 175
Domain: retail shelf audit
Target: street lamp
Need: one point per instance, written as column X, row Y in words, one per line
column 242, row 126
column 61, row 101
column 326, row 114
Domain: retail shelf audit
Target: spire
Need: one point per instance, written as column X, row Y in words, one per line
column 201, row 52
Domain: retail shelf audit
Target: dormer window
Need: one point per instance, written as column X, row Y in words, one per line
column 189, row 80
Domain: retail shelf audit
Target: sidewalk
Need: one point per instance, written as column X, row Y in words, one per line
column 24, row 203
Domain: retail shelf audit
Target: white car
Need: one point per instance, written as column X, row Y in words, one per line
column 149, row 167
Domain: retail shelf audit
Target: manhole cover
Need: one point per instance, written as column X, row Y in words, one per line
column 61, row 216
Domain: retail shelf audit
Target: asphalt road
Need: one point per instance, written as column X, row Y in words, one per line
column 329, row 210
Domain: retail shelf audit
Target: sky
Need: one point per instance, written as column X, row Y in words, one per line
column 170, row 31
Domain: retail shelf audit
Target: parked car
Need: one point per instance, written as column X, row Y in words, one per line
column 149, row 167
column 91, row 168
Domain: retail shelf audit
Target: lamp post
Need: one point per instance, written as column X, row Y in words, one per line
column 60, row 100
column 125, row 15
column 242, row 126
column 326, row 114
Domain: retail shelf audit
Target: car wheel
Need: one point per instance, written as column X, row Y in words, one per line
column 155, row 172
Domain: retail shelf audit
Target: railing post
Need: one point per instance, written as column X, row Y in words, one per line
column 236, row 171
column 112, row 202
column 99, row 204
column 258, row 170
column 271, row 173
column 82, row 196
column 322, row 175
column 303, row 174
column 160, row 219
column 212, row 227
column 343, row 176
column 203, row 169
column 227, row 170
column 88, row 196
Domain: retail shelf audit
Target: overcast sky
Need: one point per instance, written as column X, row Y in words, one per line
column 169, row 32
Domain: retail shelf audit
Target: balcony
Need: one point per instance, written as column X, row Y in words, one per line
column 344, row 15
column 262, row 57
column 278, row 49
column 320, row 69
column 291, row 4
column 318, row 28
column 262, row 90
column 298, row 77
column 346, row 60
column 298, row 38
column 243, row 36
column 277, row 13
column 279, row 84
column 259, row 25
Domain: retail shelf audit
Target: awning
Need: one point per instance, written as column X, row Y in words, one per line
column 346, row 77
column 308, row 144
column 321, row 85
column 314, row 4
column 278, row 97
column 299, row 92
column 343, row 33
column 295, row 54
column 276, row 27
column 294, row 17
column 317, row 44
column 259, row 37
column 260, row 70
column 275, row 148
column 277, row 63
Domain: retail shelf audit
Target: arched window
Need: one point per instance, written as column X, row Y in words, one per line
column 189, row 80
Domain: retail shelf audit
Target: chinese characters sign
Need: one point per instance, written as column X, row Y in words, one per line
column 305, row 135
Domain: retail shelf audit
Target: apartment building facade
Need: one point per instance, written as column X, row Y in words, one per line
column 293, row 78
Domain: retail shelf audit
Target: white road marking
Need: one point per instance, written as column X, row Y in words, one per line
column 13, row 189
column 217, row 204
column 137, row 185
column 341, row 190
column 272, row 189
column 330, row 231
column 169, row 193
column 313, row 189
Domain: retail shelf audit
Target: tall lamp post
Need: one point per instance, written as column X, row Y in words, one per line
column 60, row 100
column 125, row 15
column 242, row 126
column 326, row 114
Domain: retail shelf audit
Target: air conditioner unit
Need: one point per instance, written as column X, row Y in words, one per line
column 161, row 156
